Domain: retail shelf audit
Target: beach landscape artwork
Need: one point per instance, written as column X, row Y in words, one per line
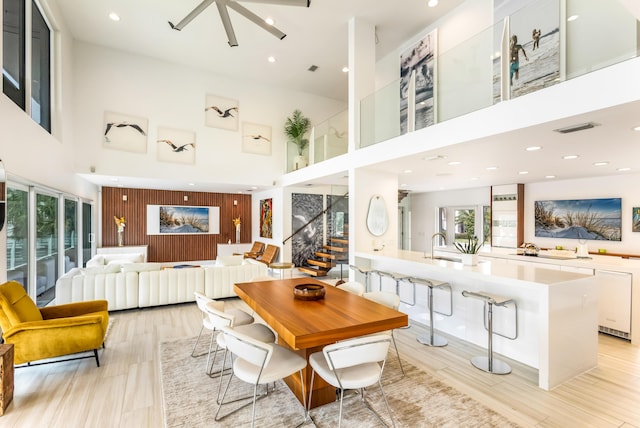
column 533, row 46
column 180, row 219
column 421, row 58
column 594, row 219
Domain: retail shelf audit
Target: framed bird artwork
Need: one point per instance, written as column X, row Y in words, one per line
column 125, row 132
column 256, row 138
column 221, row 112
column 175, row 145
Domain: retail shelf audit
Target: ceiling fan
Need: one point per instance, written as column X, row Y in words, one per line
column 233, row 4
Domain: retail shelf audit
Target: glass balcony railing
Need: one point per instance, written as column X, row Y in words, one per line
column 551, row 45
column 328, row 139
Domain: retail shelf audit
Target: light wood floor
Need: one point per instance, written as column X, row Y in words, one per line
column 126, row 391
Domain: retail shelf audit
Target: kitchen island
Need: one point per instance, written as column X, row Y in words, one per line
column 557, row 330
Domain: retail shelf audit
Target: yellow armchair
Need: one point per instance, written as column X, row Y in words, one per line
column 39, row 333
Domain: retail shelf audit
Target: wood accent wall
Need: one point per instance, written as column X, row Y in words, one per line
column 171, row 248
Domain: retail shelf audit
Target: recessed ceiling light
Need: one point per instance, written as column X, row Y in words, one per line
column 492, row 168
column 454, row 163
column 113, row 179
column 636, row 128
column 271, row 59
column 569, row 157
column 573, row 18
column 403, row 185
column 474, row 178
column 523, row 172
column 345, row 69
column 407, row 171
column 269, row 21
column 432, row 158
column 432, row 3
column 549, row 176
column 533, row 148
column 624, row 169
column 600, row 163
column 191, row 184
column 114, row 16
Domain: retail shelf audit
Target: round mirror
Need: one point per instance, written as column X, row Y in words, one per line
column 377, row 220
column 3, row 193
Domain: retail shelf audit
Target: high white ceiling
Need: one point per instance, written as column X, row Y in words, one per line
column 318, row 36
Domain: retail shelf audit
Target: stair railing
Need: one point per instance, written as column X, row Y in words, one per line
column 301, row 228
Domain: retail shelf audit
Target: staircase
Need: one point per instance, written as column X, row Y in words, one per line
column 332, row 254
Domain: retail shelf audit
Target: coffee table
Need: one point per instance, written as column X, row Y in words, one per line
column 308, row 326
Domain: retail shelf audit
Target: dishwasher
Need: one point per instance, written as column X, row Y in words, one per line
column 614, row 307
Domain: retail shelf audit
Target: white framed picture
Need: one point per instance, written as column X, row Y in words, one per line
column 125, row 132
column 256, row 138
column 175, row 145
column 220, row 112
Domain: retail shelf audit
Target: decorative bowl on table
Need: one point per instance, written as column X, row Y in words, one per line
column 308, row 292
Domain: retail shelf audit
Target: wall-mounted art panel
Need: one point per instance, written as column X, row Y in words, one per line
column 180, row 220
column 266, row 220
column 175, row 145
column 597, row 219
column 256, row 138
column 220, row 112
column 125, row 132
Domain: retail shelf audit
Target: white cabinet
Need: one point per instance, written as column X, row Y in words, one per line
column 615, row 302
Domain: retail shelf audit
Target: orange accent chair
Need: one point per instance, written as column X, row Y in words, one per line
column 256, row 250
column 52, row 331
column 270, row 254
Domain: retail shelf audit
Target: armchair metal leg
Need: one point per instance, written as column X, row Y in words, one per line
column 95, row 354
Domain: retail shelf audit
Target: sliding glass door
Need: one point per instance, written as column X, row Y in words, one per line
column 46, row 247
column 18, row 236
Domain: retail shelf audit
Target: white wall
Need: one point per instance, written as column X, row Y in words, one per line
column 173, row 96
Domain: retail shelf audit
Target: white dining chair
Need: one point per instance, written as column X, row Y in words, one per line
column 240, row 317
column 222, row 319
column 354, row 287
column 260, row 363
column 391, row 300
column 352, row 364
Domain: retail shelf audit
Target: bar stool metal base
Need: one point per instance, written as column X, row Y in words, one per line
column 432, row 341
column 497, row 366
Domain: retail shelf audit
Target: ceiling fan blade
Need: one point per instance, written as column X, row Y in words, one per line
column 256, row 19
column 195, row 12
column 303, row 3
column 226, row 22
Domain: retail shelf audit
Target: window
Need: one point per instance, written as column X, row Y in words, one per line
column 46, row 248
column 14, row 59
column 87, row 232
column 70, row 234
column 18, row 236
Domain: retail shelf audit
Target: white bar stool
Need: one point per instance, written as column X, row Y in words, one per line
column 488, row 363
column 433, row 339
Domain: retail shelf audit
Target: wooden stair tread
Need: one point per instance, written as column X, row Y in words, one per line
column 336, row 249
column 321, row 263
column 313, row 272
column 339, row 240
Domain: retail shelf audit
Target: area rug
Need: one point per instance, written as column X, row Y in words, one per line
column 417, row 400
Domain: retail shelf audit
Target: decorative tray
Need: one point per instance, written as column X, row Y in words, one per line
column 308, row 292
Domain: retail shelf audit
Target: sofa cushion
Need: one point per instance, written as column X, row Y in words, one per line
column 141, row 267
column 97, row 260
column 229, row 260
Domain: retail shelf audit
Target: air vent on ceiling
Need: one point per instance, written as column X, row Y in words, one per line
column 575, row 128
column 312, row 67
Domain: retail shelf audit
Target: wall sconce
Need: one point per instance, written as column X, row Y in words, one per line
column 186, row 198
column 235, row 202
column 124, row 198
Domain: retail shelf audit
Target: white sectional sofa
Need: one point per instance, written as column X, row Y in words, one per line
column 126, row 283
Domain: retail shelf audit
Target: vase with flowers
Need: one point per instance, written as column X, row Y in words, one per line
column 469, row 250
column 120, row 225
column 236, row 223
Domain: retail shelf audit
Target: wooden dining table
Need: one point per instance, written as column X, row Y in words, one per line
column 306, row 326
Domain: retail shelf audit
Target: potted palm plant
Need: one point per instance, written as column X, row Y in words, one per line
column 469, row 250
column 295, row 128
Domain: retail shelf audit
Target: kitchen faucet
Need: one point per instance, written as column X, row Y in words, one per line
column 433, row 237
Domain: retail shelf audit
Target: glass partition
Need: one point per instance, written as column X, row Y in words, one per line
column 331, row 137
column 552, row 44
